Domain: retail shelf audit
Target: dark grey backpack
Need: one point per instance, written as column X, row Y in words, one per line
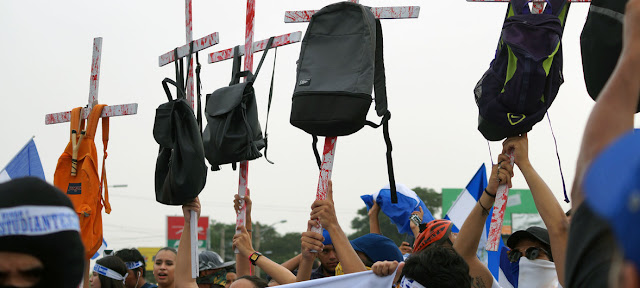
column 341, row 61
column 233, row 132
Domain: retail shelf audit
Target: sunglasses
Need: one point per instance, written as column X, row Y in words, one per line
column 531, row 253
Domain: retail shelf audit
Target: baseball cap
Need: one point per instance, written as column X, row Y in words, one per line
column 377, row 247
column 209, row 260
column 327, row 237
column 612, row 190
column 532, row 233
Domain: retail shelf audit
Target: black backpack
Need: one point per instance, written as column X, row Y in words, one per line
column 341, row 62
column 601, row 43
column 180, row 169
column 233, row 132
column 524, row 77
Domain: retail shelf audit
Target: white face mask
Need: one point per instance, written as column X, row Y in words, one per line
column 537, row 273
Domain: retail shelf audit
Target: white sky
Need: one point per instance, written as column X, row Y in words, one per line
column 433, row 64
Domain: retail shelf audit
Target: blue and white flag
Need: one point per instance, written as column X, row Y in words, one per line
column 364, row 279
column 399, row 213
column 26, row 163
column 460, row 210
column 100, row 250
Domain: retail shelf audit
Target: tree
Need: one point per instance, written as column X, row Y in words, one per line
column 431, row 198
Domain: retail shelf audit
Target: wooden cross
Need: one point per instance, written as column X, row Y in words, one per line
column 108, row 111
column 166, row 58
column 247, row 50
column 330, row 142
column 500, row 205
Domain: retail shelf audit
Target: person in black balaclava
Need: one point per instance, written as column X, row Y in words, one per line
column 40, row 243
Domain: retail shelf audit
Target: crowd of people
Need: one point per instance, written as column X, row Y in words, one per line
column 598, row 247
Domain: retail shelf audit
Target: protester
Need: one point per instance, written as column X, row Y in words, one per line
column 50, row 254
column 108, row 272
column 550, row 211
column 231, row 276
column 372, row 248
column 603, row 240
column 323, row 214
column 466, row 243
column 164, row 265
column 212, row 270
column 135, row 268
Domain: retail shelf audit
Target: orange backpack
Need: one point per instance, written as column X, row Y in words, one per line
column 77, row 175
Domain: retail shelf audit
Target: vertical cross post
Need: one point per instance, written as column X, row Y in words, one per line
column 500, row 205
column 329, row 150
column 200, row 44
column 247, row 50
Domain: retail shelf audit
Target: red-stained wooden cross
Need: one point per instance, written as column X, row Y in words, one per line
column 166, row 58
column 247, row 50
column 329, row 150
column 500, row 205
column 109, row 111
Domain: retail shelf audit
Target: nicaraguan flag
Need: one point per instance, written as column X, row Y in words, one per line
column 462, row 207
column 26, row 163
column 100, row 250
column 399, row 213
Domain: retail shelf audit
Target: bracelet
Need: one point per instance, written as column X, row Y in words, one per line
column 491, row 195
column 485, row 211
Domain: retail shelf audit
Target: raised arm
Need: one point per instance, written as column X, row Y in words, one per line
column 243, row 243
column 374, row 223
column 546, row 203
column 183, row 277
column 613, row 113
column 326, row 213
column 310, row 241
column 471, row 231
column 243, row 266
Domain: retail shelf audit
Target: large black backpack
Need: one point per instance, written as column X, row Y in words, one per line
column 180, row 169
column 601, row 43
column 524, row 77
column 233, row 132
column 341, row 62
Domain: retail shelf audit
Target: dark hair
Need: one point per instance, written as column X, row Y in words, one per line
column 166, row 249
column 257, row 281
column 114, row 263
column 438, row 266
column 132, row 255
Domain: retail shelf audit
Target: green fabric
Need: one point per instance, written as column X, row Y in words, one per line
column 511, row 67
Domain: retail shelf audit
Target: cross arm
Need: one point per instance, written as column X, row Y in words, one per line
column 257, row 46
column 108, row 111
column 200, row 44
column 400, row 12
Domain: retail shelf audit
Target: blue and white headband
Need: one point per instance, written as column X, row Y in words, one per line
column 133, row 265
column 410, row 283
column 104, row 271
column 31, row 220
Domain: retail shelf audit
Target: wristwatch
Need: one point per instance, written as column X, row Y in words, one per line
column 254, row 257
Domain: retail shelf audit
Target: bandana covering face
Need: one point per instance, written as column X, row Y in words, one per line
column 218, row 278
column 536, row 273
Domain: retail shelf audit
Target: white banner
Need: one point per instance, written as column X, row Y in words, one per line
column 364, row 279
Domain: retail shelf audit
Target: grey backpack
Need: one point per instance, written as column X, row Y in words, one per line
column 341, row 62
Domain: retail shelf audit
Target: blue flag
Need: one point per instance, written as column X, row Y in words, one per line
column 26, row 163
column 399, row 213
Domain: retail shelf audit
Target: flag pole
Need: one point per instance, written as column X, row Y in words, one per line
column 14, row 156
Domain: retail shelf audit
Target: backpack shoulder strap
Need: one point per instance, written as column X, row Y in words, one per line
column 379, row 78
column 74, row 127
column 103, row 177
column 94, row 117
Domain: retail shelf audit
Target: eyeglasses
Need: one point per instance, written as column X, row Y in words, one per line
column 531, row 253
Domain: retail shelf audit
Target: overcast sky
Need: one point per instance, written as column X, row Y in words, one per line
column 433, row 64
